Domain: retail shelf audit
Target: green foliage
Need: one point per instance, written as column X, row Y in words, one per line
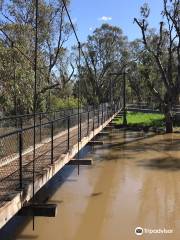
column 60, row 103
column 143, row 119
column 106, row 51
column 159, row 57
column 17, row 54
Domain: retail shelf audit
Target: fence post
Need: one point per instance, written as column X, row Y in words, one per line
column 68, row 133
column 80, row 129
column 40, row 128
column 88, row 124
column 52, row 142
column 105, row 113
column 102, row 115
column 21, row 122
column 106, row 110
column 98, row 116
column 20, row 158
column 93, row 119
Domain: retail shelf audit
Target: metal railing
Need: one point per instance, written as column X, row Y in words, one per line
column 10, row 123
column 53, row 138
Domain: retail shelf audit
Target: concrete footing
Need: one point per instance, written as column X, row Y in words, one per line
column 96, row 143
column 39, row 210
column 80, row 162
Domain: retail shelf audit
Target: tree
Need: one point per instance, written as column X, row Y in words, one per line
column 17, row 40
column 105, row 51
column 163, row 48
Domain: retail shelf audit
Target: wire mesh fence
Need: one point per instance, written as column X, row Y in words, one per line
column 55, row 134
column 11, row 123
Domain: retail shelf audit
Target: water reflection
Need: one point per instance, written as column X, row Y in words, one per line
column 134, row 182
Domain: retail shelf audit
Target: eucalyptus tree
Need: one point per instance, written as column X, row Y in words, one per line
column 143, row 73
column 64, row 79
column 105, row 51
column 163, row 49
column 17, row 37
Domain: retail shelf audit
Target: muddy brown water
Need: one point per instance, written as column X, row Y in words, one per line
column 134, row 182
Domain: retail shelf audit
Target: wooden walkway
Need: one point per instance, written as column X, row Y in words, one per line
column 11, row 198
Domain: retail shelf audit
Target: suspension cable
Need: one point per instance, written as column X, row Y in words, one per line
column 14, row 80
column 76, row 36
column 89, row 69
column 80, row 51
column 17, row 48
column 79, row 69
column 35, row 95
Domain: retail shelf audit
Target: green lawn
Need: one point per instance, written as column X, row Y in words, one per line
column 143, row 119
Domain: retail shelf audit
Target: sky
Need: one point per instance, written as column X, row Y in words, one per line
column 91, row 14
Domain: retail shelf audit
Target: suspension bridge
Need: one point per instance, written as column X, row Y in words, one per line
column 59, row 138
column 34, row 147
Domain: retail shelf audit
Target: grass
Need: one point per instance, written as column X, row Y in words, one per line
column 142, row 119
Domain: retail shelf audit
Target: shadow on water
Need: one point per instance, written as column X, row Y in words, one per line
column 14, row 226
column 165, row 145
column 117, row 145
column 152, row 142
column 27, row 237
column 137, row 143
column 17, row 223
column 56, row 201
column 166, row 163
column 130, row 149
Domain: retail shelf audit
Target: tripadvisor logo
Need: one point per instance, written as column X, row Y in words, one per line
column 139, row 231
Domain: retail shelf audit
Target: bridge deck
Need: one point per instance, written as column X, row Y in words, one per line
column 11, row 198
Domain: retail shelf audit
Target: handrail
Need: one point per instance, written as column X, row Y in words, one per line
column 31, row 114
column 42, row 124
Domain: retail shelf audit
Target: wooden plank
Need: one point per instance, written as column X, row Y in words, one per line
column 39, row 210
column 80, row 162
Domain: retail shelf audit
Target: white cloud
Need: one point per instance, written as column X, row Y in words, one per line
column 105, row 18
column 90, row 29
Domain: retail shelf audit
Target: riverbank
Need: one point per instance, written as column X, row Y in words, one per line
column 137, row 121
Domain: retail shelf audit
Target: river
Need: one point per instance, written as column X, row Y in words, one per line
column 134, row 182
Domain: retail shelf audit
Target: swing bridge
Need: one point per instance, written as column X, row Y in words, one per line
column 59, row 138
column 34, row 147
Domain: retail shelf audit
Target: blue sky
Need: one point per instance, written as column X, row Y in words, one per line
column 88, row 15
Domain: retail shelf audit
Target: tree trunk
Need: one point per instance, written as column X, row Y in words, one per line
column 177, row 100
column 168, row 120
